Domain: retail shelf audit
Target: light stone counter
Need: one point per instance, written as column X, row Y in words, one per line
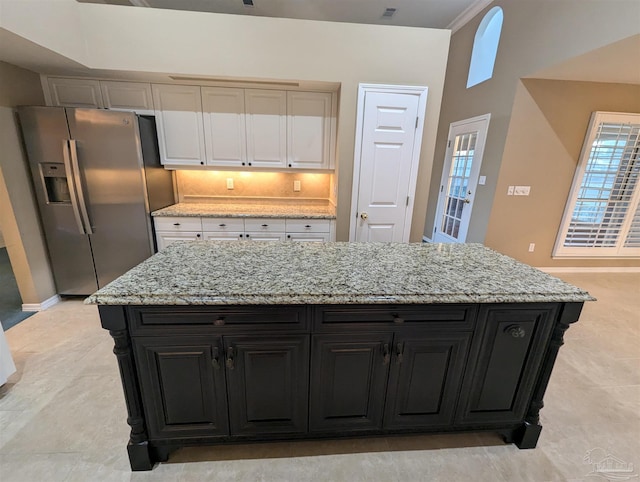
column 218, row 273
column 251, row 209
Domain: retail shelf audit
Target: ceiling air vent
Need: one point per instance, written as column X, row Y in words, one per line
column 247, row 3
column 388, row 12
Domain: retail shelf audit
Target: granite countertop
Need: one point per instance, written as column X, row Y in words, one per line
column 245, row 209
column 218, row 273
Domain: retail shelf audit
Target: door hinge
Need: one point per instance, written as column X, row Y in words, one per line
column 407, row 200
column 441, row 188
column 449, row 143
column 417, row 122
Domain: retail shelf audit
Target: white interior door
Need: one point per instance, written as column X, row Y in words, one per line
column 460, row 173
column 390, row 132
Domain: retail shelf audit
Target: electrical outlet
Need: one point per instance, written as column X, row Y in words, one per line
column 296, row 186
column 532, row 247
column 229, row 183
column 482, row 180
column 510, row 191
column 521, row 190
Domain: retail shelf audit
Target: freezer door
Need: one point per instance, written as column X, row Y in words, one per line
column 109, row 157
column 46, row 138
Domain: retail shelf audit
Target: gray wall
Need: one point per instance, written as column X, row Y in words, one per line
column 18, row 213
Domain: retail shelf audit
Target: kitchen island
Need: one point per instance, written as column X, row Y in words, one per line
column 226, row 342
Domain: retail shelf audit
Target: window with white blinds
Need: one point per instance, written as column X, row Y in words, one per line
column 602, row 217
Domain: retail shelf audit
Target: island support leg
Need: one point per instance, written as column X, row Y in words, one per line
column 526, row 437
column 138, row 447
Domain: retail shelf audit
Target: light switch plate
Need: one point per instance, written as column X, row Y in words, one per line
column 296, row 186
column 521, row 190
column 510, row 191
column 229, row 183
column 482, row 180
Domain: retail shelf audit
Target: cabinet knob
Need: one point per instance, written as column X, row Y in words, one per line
column 289, row 236
column 240, row 235
column 219, row 321
column 289, row 165
column 201, row 162
column 386, row 354
column 215, row 357
column 249, row 163
column 246, row 235
column 243, row 163
column 230, row 362
column 515, row 331
column 198, row 235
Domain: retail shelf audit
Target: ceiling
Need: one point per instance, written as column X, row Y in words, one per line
column 409, row 13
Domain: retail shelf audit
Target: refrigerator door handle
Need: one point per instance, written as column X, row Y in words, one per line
column 72, row 185
column 78, row 182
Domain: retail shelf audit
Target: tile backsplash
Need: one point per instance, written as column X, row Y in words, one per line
column 198, row 186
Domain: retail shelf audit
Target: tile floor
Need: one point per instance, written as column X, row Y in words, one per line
column 62, row 416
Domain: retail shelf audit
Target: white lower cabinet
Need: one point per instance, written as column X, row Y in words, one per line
column 171, row 229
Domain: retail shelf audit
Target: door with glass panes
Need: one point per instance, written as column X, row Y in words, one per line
column 460, row 173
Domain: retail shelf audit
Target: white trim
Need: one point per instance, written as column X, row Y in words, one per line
column 422, row 91
column 426, row 240
column 44, row 80
column 468, row 14
column 48, row 303
column 593, row 269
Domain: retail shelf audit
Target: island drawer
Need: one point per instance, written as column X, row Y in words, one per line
column 189, row 319
column 223, row 224
column 269, row 225
column 177, row 224
column 308, row 225
column 339, row 318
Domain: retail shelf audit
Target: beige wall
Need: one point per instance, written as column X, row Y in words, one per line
column 204, row 185
column 18, row 213
column 194, row 43
column 546, row 133
column 535, row 35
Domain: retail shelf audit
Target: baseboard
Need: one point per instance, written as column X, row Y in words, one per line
column 426, row 240
column 48, row 303
column 594, row 269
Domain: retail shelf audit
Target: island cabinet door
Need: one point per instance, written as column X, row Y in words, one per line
column 425, row 378
column 183, row 385
column 348, row 381
column 268, row 383
column 504, row 362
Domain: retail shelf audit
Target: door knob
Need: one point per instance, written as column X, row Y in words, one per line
column 467, row 201
column 364, row 215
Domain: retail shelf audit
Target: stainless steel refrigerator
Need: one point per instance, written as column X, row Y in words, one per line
column 96, row 176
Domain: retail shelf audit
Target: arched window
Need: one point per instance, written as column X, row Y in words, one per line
column 485, row 47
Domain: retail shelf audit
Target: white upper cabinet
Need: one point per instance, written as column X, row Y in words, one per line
column 309, row 130
column 75, row 92
column 129, row 96
column 266, row 119
column 178, row 110
column 224, row 126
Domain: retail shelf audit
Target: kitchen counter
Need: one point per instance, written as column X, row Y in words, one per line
column 229, row 342
column 218, row 273
column 284, row 209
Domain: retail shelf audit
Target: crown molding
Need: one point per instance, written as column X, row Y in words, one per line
column 468, row 14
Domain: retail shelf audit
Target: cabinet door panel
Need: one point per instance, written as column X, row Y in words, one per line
column 308, row 129
column 182, row 385
column 348, row 381
column 224, row 126
column 425, row 378
column 178, row 111
column 75, row 92
column 128, row 96
column 268, row 380
column 266, row 120
column 498, row 386
column 165, row 238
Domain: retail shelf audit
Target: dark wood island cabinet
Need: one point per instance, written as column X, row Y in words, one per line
column 220, row 343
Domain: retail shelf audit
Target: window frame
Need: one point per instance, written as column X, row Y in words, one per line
column 561, row 251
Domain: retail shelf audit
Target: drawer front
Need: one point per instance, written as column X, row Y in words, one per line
column 308, row 225
column 223, row 224
column 365, row 317
column 264, row 225
column 149, row 320
column 177, row 224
